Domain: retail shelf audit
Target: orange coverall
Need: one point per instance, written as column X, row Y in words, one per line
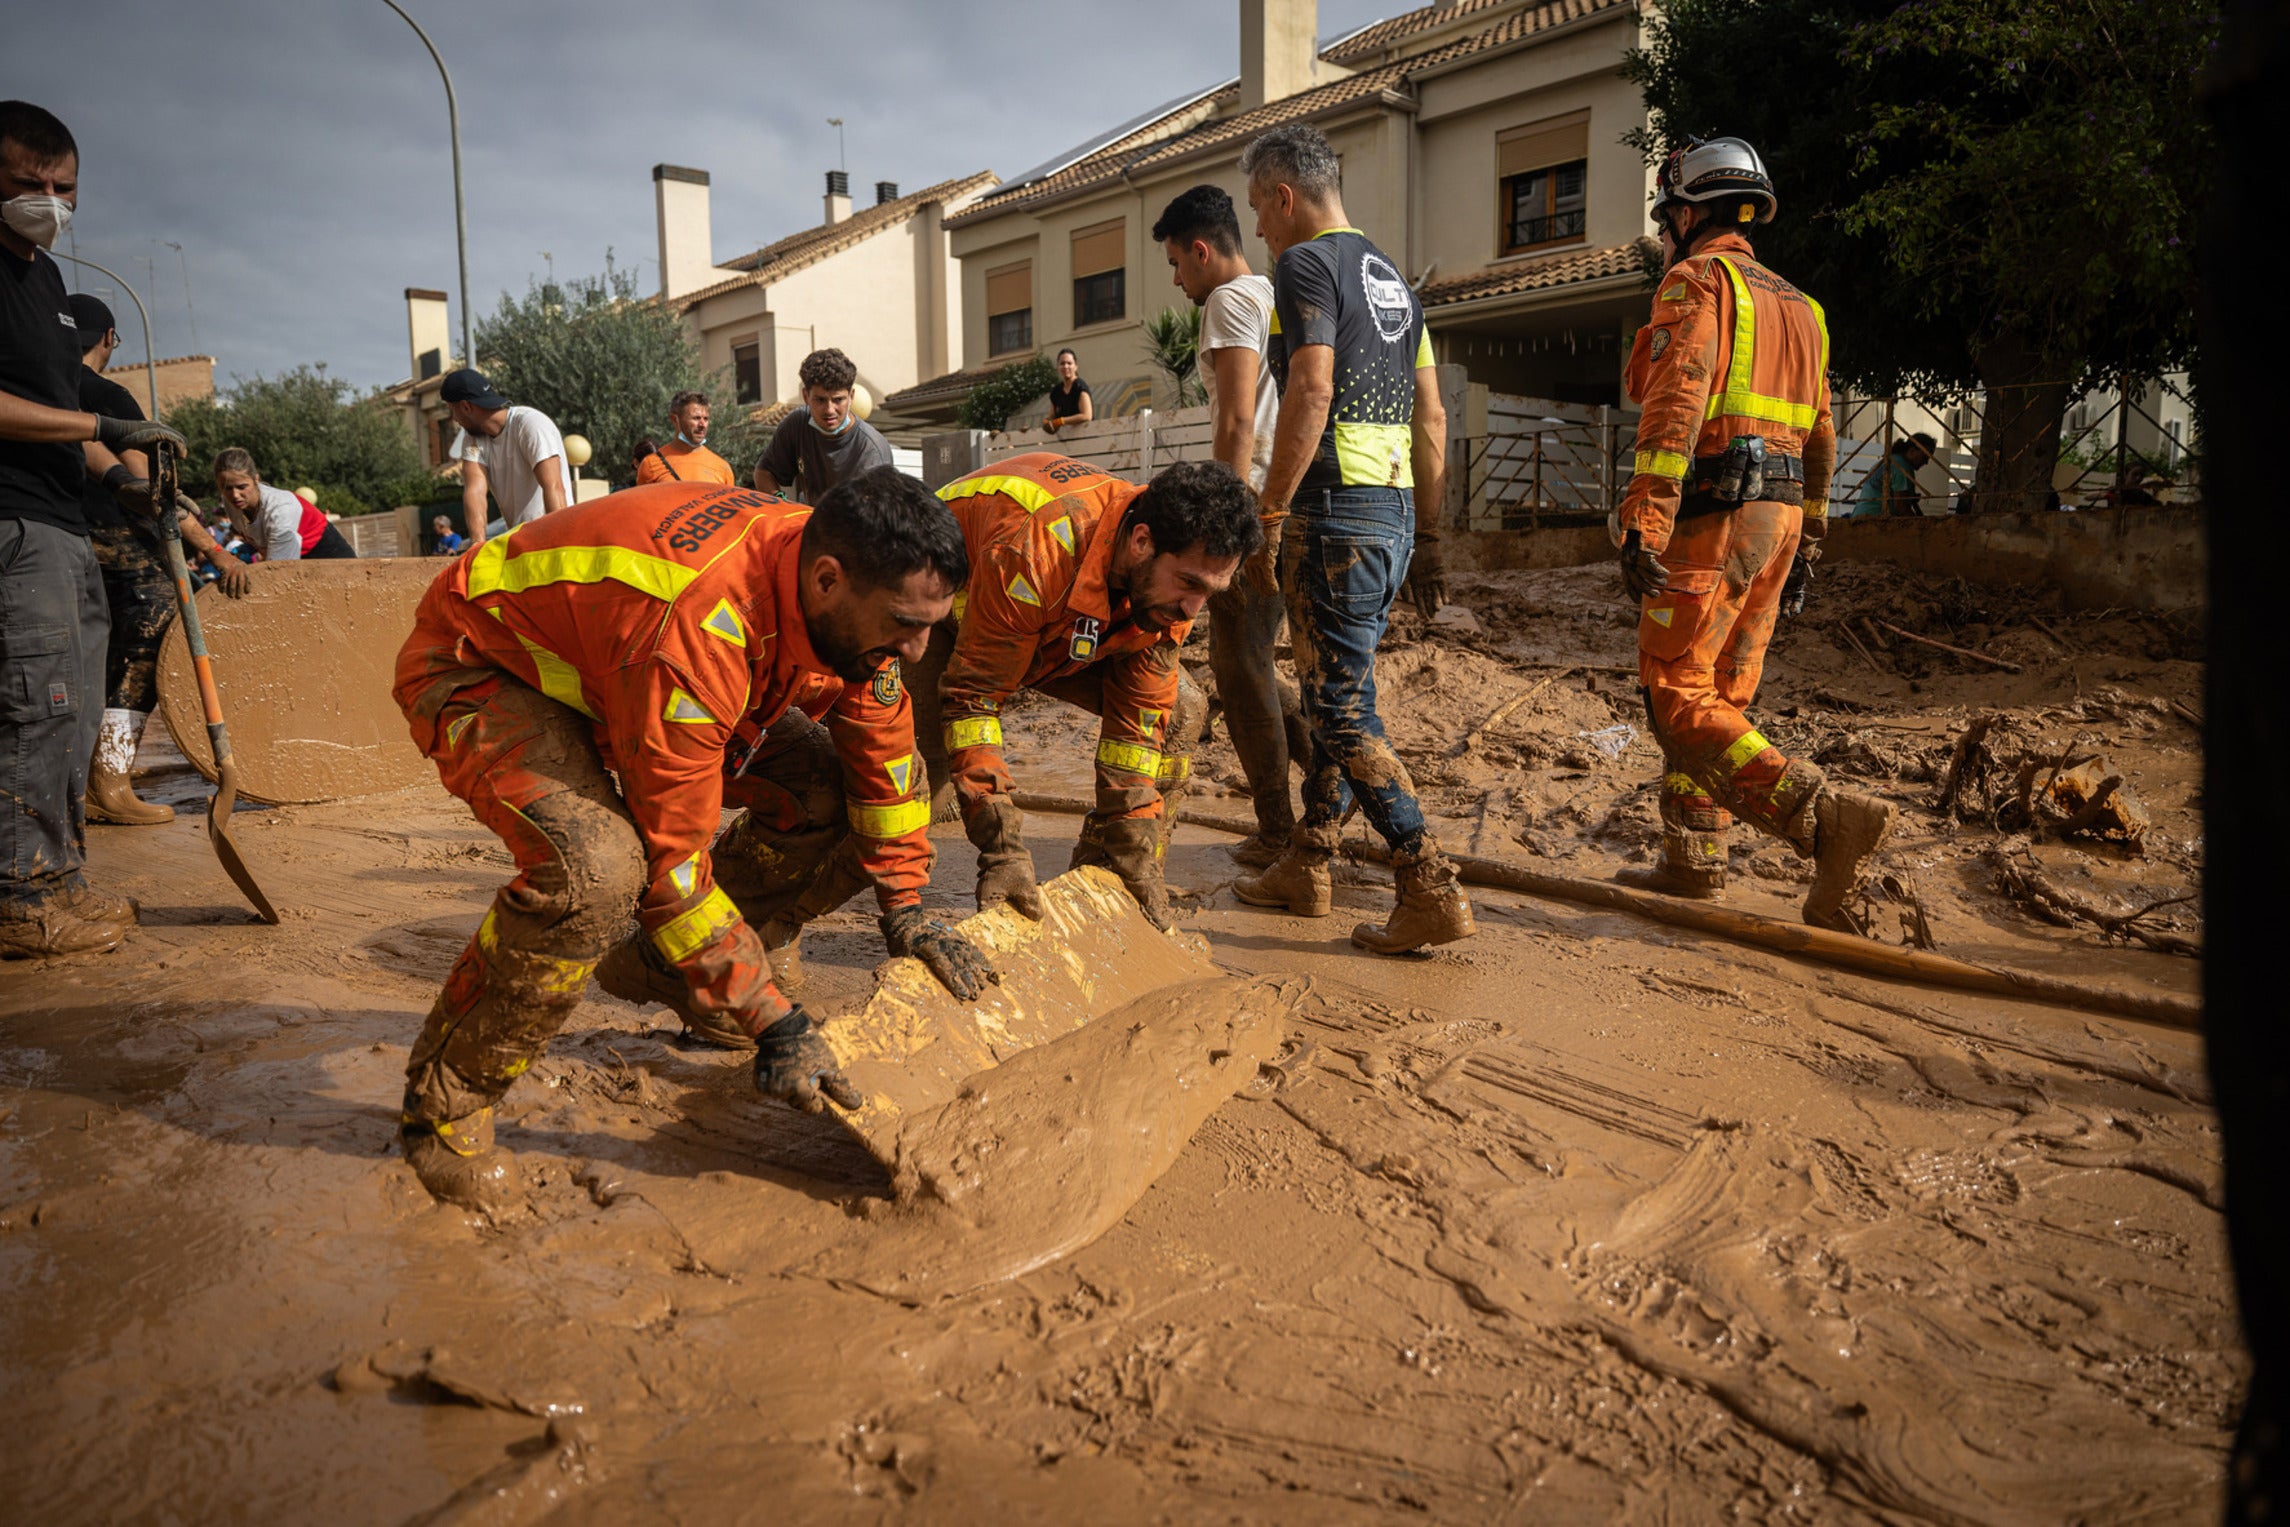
column 1041, row 530
column 655, row 633
column 1732, row 349
column 678, row 462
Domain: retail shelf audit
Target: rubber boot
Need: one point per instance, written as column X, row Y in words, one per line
column 457, row 1160
column 110, row 793
column 1432, row 907
column 1297, row 880
column 80, row 920
column 1847, row 828
column 631, row 972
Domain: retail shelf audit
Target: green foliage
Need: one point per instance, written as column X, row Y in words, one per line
column 1982, row 192
column 1173, row 342
column 305, row 429
column 990, row 403
column 603, row 362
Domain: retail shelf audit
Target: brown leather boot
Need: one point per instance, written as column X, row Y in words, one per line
column 630, row 972
column 1432, row 907
column 110, row 792
column 1297, row 880
column 1847, row 828
column 1692, row 864
column 80, row 920
column 1259, row 850
column 457, row 1160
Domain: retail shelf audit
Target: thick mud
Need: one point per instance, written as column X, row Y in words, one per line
column 1581, row 1219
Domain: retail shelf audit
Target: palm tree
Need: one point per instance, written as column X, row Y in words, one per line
column 1173, row 340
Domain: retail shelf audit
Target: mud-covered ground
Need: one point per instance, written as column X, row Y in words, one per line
column 1583, row 1220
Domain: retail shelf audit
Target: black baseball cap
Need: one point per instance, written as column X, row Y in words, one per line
column 468, row 386
column 92, row 318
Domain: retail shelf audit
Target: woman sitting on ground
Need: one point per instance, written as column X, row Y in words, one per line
column 280, row 526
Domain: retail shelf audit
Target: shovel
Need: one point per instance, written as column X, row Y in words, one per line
column 163, row 475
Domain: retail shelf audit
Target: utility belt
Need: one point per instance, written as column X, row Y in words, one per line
column 1743, row 473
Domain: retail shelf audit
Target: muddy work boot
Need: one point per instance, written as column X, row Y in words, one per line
column 1259, row 850
column 1432, row 907
column 1692, row 865
column 457, row 1160
column 78, row 920
column 631, row 971
column 110, row 794
column 1297, row 880
column 1847, row 828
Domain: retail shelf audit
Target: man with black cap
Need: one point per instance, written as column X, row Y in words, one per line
column 508, row 448
column 54, row 627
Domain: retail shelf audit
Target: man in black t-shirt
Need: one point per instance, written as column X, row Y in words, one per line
column 54, row 627
column 1361, row 434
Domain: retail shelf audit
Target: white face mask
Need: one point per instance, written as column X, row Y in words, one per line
column 38, row 219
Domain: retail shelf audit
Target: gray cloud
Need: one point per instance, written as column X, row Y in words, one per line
column 297, row 148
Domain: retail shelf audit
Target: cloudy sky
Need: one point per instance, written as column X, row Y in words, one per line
column 297, row 149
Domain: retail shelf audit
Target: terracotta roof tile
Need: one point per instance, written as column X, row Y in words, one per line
column 1563, row 269
column 939, row 389
column 783, row 258
column 1380, row 36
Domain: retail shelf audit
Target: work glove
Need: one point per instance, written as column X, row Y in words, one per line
column 1642, row 572
column 1260, row 571
column 961, row 966
column 1800, row 579
column 794, row 1065
column 116, row 435
column 1427, row 575
column 1005, row 866
column 1132, row 848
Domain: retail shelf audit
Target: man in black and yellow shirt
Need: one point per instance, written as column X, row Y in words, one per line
column 1361, row 435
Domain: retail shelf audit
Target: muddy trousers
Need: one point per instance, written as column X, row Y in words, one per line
column 1343, row 558
column 1244, row 627
column 142, row 600
column 790, row 856
column 54, row 629
column 1701, row 652
column 529, row 768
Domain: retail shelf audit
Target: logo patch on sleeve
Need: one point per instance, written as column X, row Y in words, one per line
column 1659, row 343
column 1086, row 631
column 886, row 684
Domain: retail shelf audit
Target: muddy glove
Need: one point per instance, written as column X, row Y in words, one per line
column 116, row 435
column 1427, row 575
column 794, row 1065
column 1005, row 866
column 961, row 966
column 1132, row 847
column 1642, row 572
column 1794, row 587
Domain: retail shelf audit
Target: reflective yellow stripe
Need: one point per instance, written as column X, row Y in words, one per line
column 679, row 940
column 1738, row 400
column 1816, row 508
column 1375, row 455
column 1667, row 464
column 1750, row 745
column 1680, row 784
column 1131, row 756
column 494, row 571
column 548, row 974
column 889, row 821
column 560, row 680
column 1175, row 769
column 961, row 604
column 456, row 727
column 973, row 732
column 1024, row 489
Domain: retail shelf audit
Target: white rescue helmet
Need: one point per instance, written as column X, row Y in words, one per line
column 1699, row 171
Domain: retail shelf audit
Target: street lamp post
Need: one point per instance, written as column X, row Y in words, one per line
column 150, row 366
column 460, row 207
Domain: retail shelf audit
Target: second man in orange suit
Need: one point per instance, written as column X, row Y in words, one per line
column 1084, row 587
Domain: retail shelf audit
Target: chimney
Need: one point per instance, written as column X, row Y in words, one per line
column 687, row 247
column 886, row 190
column 838, row 198
column 429, row 339
column 1280, row 51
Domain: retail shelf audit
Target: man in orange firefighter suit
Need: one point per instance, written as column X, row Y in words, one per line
column 1724, row 514
column 1085, row 588
column 663, row 634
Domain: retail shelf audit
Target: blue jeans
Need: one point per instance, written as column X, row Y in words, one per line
column 1343, row 558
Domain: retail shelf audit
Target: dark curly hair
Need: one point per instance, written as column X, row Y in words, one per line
column 883, row 525
column 1198, row 504
column 828, row 370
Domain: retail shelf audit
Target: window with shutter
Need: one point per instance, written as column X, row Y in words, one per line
column 1100, row 277
column 1010, row 308
column 1542, row 176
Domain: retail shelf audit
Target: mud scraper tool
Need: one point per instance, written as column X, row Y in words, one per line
column 164, row 471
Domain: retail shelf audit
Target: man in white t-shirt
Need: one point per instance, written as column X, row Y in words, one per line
column 512, row 450
column 1200, row 233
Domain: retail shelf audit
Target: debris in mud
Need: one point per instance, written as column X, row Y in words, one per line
column 2049, row 794
column 2020, row 876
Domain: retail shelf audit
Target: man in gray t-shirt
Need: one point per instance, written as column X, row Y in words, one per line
column 826, row 443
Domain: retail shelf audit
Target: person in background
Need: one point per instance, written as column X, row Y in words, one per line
column 1890, row 488
column 1200, row 233
column 512, row 451
column 55, row 628
column 448, row 543
column 825, row 444
column 278, row 525
column 686, row 458
column 1070, row 402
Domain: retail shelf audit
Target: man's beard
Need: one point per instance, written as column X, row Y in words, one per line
column 842, row 655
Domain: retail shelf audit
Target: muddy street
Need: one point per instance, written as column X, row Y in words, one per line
column 1584, row 1219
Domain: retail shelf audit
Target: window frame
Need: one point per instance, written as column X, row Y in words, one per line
column 750, row 350
column 1117, row 303
column 1506, row 201
column 1024, row 340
